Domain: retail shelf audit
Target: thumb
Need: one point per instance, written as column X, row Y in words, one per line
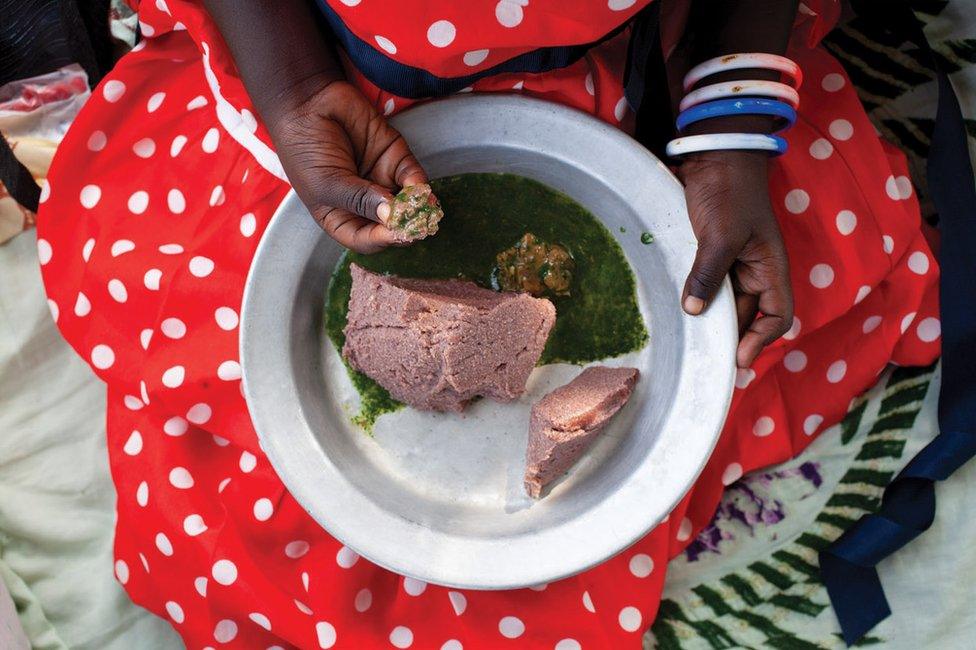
column 713, row 260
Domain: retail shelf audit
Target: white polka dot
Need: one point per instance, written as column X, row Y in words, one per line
column 862, row 293
column 200, row 584
column 155, row 102
column 414, row 587
column 133, row 445
column 918, row 262
column 117, row 290
column 194, row 525
column 229, row 371
column 763, row 426
column 797, row 201
column 518, row 85
column 812, row 423
column 508, row 13
column 731, row 474
column 97, row 141
column 629, row 619
column 836, row 371
column 170, row 249
column 201, row 266
column 841, row 130
column 441, row 33
column 458, row 601
column 222, row 485
column 385, row 44
column 145, row 336
column 53, row 307
column 248, row 224
column 346, row 557
column 199, row 413
column 122, row 246
column 173, row 377
column 90, row 196
column 821, row 149
column 247, row 462
column 197, row 102
column 906, row 322
column 898, row 188
column 588, row 603
column 132, row 402
column 832, row 82
column 466, row 89
column 86, row 250
column 217, row 196
column 511, row 627
column 224, row 572
column 452, row 644
column 175, row 611
column 364, row 600
column 82, row 305
column 144, row 148
column 929, row 329
column 179, row 477
column 210, row 140
column 226, row 318
column 296, row 549
column 145, row 563
column 474, row 57
column 138, row 202
column 177, row 145
column 146, row 29
column 113, row 90
column 684, row 530
column 870, row 324
column 641, row 565
column 142, row 494
column 566, row 644
column 401, row 637
column 588, row 83
column 263, row 509
column 122, row 571
column 541, row 587
column 846, row 222
column 821, row 276
column 325, row 632
column 744, row 377
column 143, row 392
column 173, row 328
column 163, row 544
column 220, row 442
column 795, row 361
column 175, row 201
column 620, row 108
column 260, row 619
column 44, row 251
column 225, row 631
column 350, row 3
column 305, row 580
column 102, row 356
column 794, row 330
column 389, row 107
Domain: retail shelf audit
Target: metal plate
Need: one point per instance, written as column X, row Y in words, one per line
column 438, row 497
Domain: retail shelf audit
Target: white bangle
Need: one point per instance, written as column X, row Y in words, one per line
column 724, row 142
column 749, row 88
column 751, row 60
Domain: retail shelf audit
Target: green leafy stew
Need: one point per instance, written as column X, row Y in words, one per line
column 484, row 215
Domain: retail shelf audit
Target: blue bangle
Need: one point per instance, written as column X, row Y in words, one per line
column 738, row 106
column 772, row 144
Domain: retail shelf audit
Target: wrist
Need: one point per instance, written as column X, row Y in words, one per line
column 283, row 101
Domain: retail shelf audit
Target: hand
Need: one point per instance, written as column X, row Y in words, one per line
column 728, row 201
column 344, row 160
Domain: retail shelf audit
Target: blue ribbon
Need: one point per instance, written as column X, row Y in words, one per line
column 908, row 506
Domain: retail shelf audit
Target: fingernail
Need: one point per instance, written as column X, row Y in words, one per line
column 694, row 305
column 383, row 212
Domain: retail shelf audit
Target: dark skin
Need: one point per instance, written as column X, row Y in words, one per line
column 345, row 161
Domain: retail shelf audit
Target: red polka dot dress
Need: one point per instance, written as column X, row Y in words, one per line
column 155, row 204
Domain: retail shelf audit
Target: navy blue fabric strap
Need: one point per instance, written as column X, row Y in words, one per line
column 908, row 507
column 416, row 83
column 740, row 106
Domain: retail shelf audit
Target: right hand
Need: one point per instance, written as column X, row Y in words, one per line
column 344, row 161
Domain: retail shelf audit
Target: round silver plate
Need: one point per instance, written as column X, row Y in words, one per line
column 439, row 497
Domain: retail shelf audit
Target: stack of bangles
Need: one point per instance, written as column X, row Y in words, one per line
column 731, row 98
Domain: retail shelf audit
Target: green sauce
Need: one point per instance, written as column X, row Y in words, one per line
column 485, row 214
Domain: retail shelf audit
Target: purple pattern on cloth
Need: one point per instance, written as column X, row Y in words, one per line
column 749, row 502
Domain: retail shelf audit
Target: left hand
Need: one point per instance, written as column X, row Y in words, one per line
column 728, row 202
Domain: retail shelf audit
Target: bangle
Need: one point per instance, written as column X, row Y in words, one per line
column 750, row 88
column 738, row 106
column 751, row 60
column 725, row 142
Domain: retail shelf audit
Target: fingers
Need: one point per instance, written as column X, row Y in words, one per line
column 776, row 305
column 712, row 263
column 405, row 170
column 355, row 232
column 357, row 196
column 746, row 306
